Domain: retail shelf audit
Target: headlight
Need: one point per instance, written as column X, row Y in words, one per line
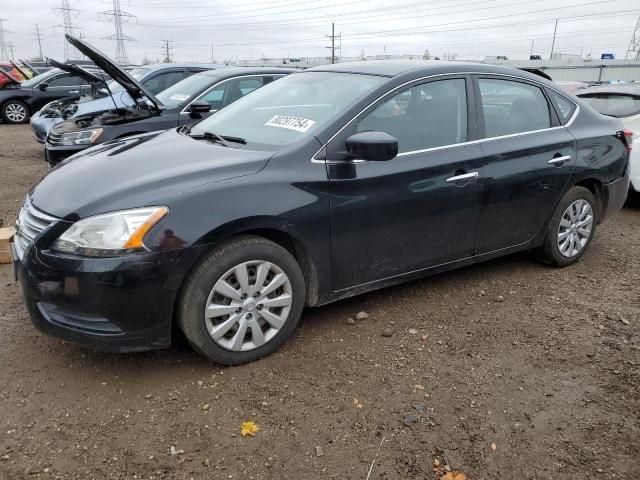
column 111, row 233
column 83, row 137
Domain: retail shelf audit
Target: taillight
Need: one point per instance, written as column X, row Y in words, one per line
column 626, row 136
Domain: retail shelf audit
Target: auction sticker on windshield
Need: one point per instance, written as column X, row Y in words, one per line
column 292, row 123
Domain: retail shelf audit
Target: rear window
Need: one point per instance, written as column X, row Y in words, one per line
column 564, row 107
column 614, row 104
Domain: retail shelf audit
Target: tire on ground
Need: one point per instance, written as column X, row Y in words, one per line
column 550, row 251
column 194, row 295
column 5, row 115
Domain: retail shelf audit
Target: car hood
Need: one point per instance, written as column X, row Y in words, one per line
column 138, row 171
column 76, row 70
column 7, row 79
column 134, row 88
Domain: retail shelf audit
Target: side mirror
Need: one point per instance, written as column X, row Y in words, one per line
column 373, row 146
column 199, row 106
column 43, row 86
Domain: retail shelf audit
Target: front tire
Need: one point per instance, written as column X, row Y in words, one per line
column 242, row 301
column 15, row 111
column 571, row 228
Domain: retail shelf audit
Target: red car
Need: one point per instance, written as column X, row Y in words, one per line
column 9, row 74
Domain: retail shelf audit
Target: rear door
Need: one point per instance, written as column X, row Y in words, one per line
column 59, row 86
column 419, row 209
column 529, row 159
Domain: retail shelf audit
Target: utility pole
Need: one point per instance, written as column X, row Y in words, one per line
column 212, row 59
column 167, row 50
column 11, row 48
column 67, row 13
column 117, row 15
column 553, row 43
column 39, row 42
column 333, row 42
column 4, row 55
column 532, row 42
column 633, row 52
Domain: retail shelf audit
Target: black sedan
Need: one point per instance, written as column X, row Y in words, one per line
column 18, row 101
column 325, row 184
column 189, row 100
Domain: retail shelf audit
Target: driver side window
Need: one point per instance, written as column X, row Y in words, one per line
column 430, row 115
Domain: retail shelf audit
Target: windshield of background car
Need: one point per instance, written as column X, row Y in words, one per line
column 614, row 104
column 32, row 82
column 185, row 90
column 136, row 73
column 290, row 108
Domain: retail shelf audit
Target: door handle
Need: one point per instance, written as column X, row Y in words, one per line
column 463, row 177
column 74, row 91
column 559, row 160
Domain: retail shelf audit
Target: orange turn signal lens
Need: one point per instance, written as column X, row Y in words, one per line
column 135, row 240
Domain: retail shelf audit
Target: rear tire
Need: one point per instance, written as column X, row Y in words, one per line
column 571, row 228
column 15, row 111
column 251, row 319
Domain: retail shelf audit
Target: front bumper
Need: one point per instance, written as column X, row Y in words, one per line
column 41, row 126
column 56, row 154
column 122, row 304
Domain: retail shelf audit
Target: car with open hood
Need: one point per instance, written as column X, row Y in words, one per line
column 19, row 101
column 155, row 78
column 188, row 101
column 9, row 75
column 327, row 183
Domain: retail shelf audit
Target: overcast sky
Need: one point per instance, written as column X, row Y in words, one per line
column 285, row 28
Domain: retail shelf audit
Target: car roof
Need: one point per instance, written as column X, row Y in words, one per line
column 162, row 66
column 617, row 88
column 229, row 72
column 394, row 68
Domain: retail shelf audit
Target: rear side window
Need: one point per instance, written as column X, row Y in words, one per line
column 613, row 104
column 430, row 115
column 564, row 107
column 512, row 107
column 163, row 81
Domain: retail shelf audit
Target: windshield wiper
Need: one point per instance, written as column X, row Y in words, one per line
column 223, row 139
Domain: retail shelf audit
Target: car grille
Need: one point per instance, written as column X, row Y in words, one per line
column 30, row 224
column 53, row 138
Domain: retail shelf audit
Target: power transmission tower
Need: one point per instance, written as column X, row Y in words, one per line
column 117, row 15
column 633, row 52
column 11, row 48
column 333, row 47
column 39, row 42
column 67, row 13
column 4, row 55
column 167, row 50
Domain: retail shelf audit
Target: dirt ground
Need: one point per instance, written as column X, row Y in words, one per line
column 505, row 370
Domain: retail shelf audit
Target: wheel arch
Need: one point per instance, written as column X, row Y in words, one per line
column 596, row 187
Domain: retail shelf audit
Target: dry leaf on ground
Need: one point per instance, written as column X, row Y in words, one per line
column 249, row 428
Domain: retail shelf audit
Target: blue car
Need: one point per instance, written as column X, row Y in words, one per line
column 155, row 78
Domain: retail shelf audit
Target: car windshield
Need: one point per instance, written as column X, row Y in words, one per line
column 32, row 82
column 290, row 108
column 136, row 73
column 186, row 89
column 614, row 104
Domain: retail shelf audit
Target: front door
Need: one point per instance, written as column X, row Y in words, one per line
column 529, row 161
column 419, row 209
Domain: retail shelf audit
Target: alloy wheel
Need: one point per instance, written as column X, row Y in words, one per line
column 248, row 305
column 16, row 112
column 575, row 228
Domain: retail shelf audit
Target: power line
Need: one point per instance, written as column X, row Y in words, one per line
column 4, row 55
column 167, row 50
column 633, row 51
column 117, row 15
column 67, row 13
column 39, row 42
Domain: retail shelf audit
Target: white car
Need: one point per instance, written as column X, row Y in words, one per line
column 620, row 100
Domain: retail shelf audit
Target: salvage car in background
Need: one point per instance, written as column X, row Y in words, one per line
column 620, row 100
column 19, row 101
column 185, row 102
column 9, row 76
column 155, row 78
column 307, row 191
